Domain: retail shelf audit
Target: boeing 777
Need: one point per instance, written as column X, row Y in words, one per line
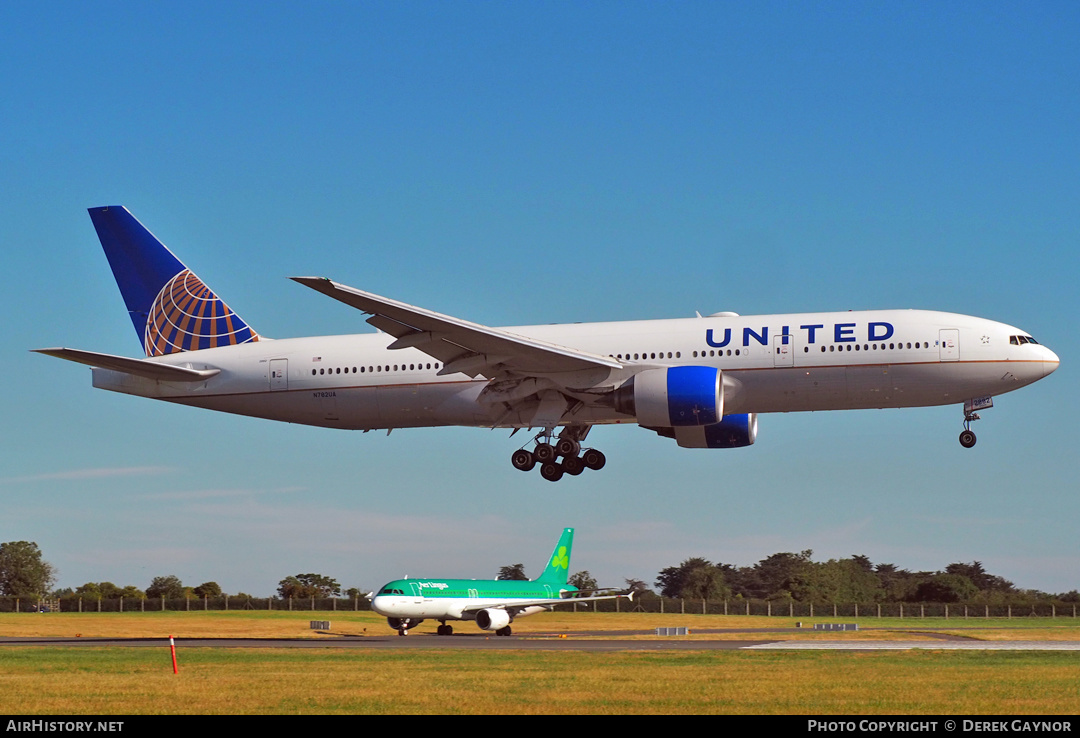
column 699, row 381
column 493, row 603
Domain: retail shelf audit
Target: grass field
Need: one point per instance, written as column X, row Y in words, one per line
column 91, row 680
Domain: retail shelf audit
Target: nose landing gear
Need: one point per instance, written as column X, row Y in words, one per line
column 549, row 450
column 967, row 437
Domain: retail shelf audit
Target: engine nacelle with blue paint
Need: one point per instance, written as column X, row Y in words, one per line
column 734, row 431
column 673, row 397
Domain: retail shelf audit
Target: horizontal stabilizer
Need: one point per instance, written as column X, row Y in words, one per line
column 138, row 367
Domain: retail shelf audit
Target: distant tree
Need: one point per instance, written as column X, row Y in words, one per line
column 23, row 572
column 108, row 591
column 512, row 571
column 170, row 587
column 353, row 593
column 636, row 585
column 695, row 578
column 308, row 585
column 983, row 580
column 582, row 580
column 208, row 589
column 946, row 588
column 1072, row 596
column 836, row 580
column 705, row 583
column 777, row 574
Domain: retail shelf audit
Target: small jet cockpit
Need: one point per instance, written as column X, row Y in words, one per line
column 1019, row 340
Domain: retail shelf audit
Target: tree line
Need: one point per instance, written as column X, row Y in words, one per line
column 796, row 577
column 781, row 577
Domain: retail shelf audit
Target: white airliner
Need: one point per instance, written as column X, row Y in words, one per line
column 701, row 381
column 493, row 604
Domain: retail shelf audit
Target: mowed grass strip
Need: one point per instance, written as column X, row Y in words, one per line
column 280, row 681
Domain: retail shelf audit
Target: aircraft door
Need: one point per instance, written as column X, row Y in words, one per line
column 279, row 374
column 783, row 350
column 949, row 344
column 418, row 596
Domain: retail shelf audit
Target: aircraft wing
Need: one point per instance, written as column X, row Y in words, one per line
column 460, row 345
column 138, row 367
column 519, row 604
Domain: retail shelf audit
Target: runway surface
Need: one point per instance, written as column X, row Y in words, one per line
column 533, row 642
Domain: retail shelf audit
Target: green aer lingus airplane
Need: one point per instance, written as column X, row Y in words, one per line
column 492, row 603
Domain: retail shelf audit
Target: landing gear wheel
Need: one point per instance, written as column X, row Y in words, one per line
column 444, row 630
column 573, row 465
column 523, row 459
column 403, row 632
column 544, row 452
column 551, row 471
column 567, row 447
column 503, row 631
column 594, row 459
column 967, row 439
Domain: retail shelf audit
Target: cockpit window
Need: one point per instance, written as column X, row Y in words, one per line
column 1018, row 340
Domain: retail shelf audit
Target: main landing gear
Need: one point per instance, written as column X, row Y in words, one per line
column 567, row 446
column 444, row 629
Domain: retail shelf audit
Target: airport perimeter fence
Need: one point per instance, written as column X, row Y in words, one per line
column 647, row 604
column 792, row 609
column 184, row 604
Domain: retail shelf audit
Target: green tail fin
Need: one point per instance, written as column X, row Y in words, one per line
column 558, row 567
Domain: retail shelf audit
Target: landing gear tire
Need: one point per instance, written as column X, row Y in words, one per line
column 523, row 460
column 403, row 632
column 573, row 465
column 444, row 630
column 967, row 439
column 544, row 452
column 551, row 471
column 594, row 459
column 567, row 447
column 503, row 631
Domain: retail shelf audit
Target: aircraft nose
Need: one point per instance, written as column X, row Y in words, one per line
column 1050, row 362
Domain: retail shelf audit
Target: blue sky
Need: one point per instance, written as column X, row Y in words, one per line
column 525, row 162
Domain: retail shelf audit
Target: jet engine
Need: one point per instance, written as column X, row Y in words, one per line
column 493, row 619
column 404, row 623
column 734, row 431
column 673, row 397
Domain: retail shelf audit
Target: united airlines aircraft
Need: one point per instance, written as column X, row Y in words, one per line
column 493, row 604
column 701, row 382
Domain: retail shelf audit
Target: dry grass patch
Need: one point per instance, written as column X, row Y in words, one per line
column 219, row 624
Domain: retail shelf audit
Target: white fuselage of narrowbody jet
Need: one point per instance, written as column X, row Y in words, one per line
column 769, row 363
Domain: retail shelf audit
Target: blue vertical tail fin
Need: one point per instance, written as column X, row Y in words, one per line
column 171, row 308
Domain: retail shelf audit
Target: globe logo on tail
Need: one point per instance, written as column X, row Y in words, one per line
column 186, row 316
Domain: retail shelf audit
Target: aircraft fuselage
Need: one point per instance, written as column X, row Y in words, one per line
column 769, row 364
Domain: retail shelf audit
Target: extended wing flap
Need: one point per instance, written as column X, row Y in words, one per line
column 138, row 367
column 447, row 338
